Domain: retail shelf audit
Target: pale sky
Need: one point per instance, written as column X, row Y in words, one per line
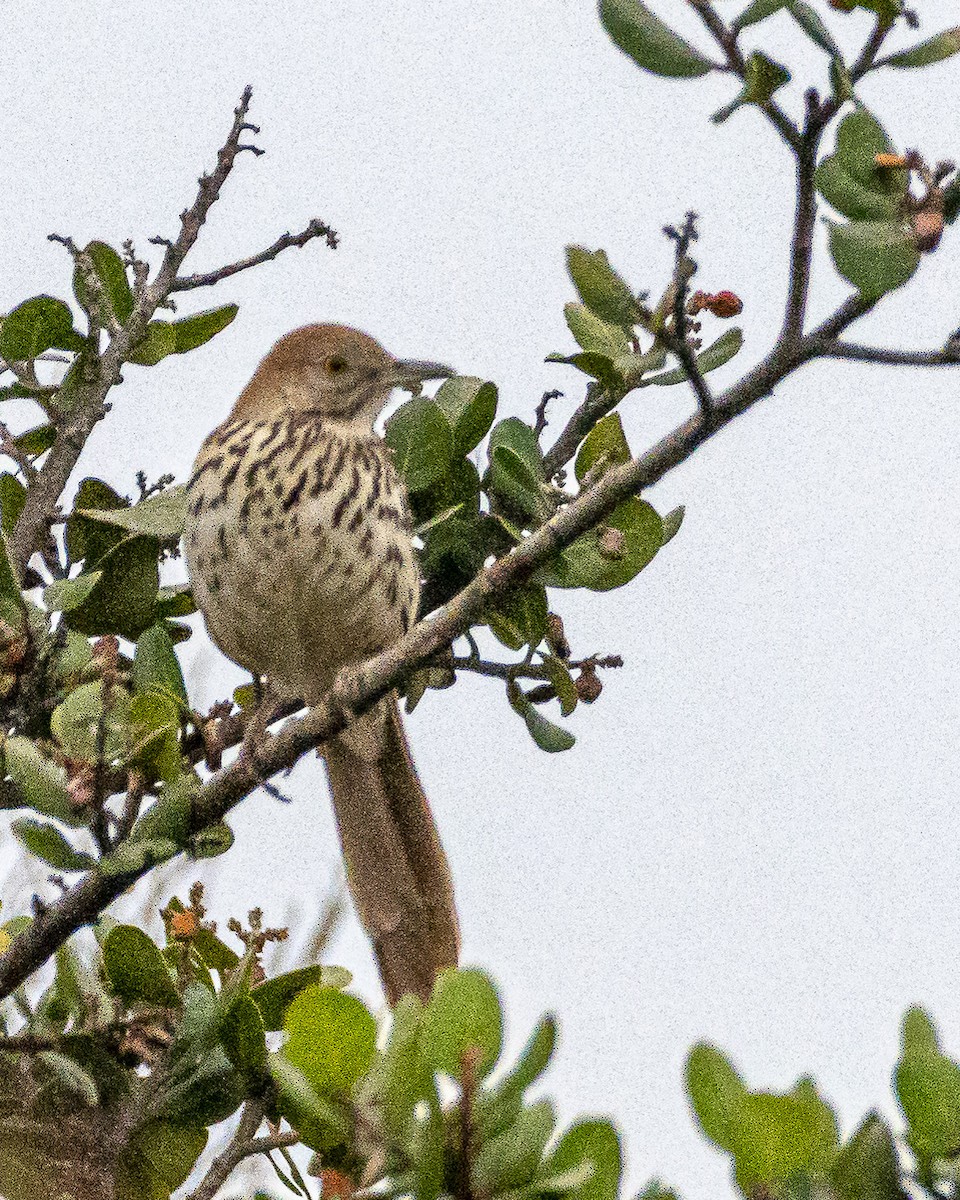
column 754, row 839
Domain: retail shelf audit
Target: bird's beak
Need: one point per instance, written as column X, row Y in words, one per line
column 411, row 373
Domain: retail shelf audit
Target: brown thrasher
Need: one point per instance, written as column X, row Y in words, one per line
column 298, row 544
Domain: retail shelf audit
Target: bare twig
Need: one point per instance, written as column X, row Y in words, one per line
column 104, row 368
column 675, row 338
column 540, row 423
column 597, row 403
column 243, row 1145
column 316, row 229
column 949, row 356
column 727, row 40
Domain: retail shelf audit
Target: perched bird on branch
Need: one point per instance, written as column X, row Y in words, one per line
column 298, row 544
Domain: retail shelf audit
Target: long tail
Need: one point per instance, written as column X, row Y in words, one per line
column 396, row 867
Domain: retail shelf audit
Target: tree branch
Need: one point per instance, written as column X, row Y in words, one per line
column 360, row 687
column 243, row 1145
column 316, row 229
column 949, row 356
column 727, row 40
column 103, row 370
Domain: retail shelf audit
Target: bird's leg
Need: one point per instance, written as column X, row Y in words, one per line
column 269, row 708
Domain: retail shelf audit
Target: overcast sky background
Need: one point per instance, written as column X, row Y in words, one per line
column 754, row 840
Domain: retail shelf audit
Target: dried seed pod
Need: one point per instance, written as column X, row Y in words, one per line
column 556, row 637
column 588, row 684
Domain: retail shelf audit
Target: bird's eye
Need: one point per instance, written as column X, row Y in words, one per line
column 336, row 365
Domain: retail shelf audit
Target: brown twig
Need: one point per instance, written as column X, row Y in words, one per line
column 675, row 338
column 103, row 369
column 316, row 229
column 243, row 1145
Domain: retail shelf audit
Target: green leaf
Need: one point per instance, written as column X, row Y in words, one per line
column 716, row 355
column 158, row 341
column 672, row 522
column 596, row 1142
column 176, row 600
column 582, row 564
column 35, row 326
column 321, row 1123
column 421, row 439
column 592, row 334
column 112, row 274
column 66, row 594
column 71, row 1076
column 649, row 42
column 534, row 1058
column 551, row 738
column 191, row 332
column 516, row 468
column 951, row 201
column 123, row 599
column 934, row 50
column 469, row 404
column 154, row 737
column 772, row 1137
column 41, row 782
column 76, row 722
column 762, row 77
column 48, row 843
column 812, row 25
column 510, row 1159
column 331, row 1038
column 156, row 667
column 758, row 11
column 860, row 138
column 463, row 1014
column 136, row 970
column 597, row 366
column 928, row 1089
column 90, row 540
column 158, row 1160
column 850, row 197
column 919, row 1033
column 874, row 256
column 162, row 516
column 12, row 609
column 244, row 1040
column 867, row 1168
column 13, row 496
column 716, row 1092
column 519, row 617
column 274, row 996
column 133, row 857
column 600, row 287
column 607, row 441
column 563, row 683
column 36, row 441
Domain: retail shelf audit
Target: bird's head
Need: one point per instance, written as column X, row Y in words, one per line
column 334, row 370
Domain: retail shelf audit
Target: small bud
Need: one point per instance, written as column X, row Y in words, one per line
column 183, row 925
column 556, row 637
column 928, row 228
column 588, row 685
column 721, row 304
column 891, row 162
column 725, row 304
column 611, row 542
column 333, row 1183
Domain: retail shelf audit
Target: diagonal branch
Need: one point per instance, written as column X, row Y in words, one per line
column 315, row 229
column 356, row 690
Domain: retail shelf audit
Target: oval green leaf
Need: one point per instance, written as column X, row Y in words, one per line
column 463, row 1015
column 331, row 1039
column 135, row 968
column 874, row 256
column 651, row 44
column 421, row 439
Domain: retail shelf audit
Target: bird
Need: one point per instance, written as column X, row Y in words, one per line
column 298, row 544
